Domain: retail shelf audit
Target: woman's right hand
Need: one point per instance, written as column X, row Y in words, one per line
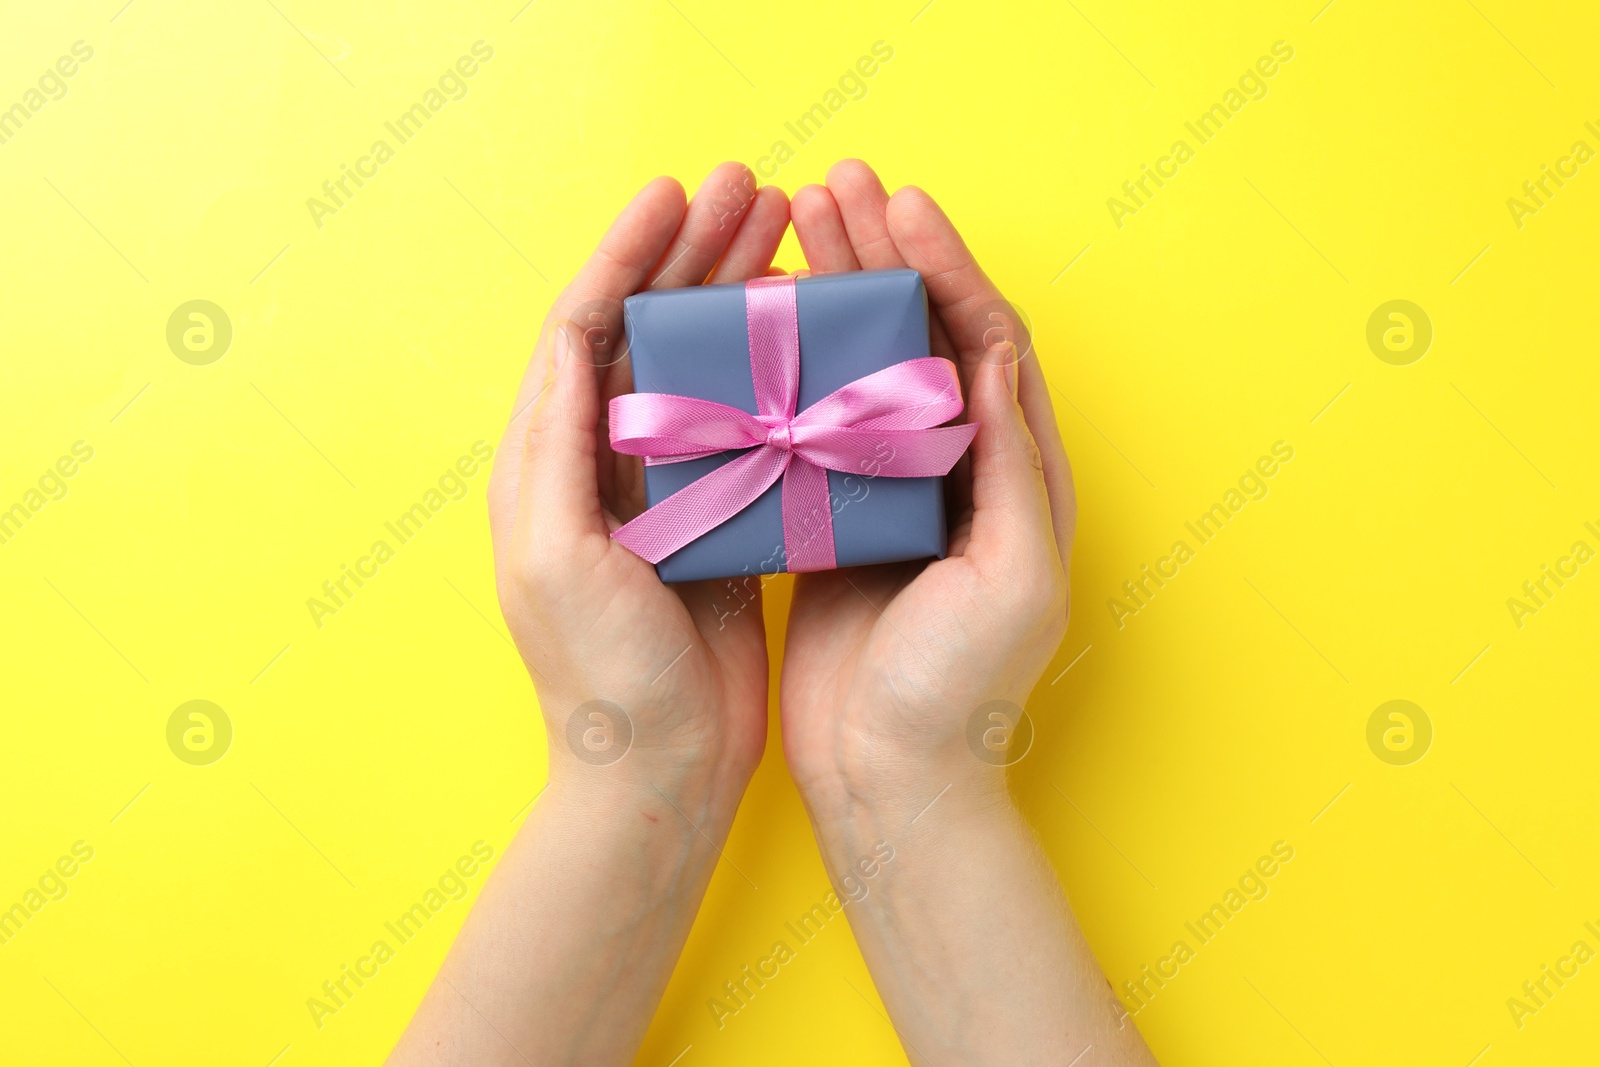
column 681, row 679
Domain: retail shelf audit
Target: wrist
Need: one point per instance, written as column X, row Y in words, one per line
column 701, row 785
column 899, row 759
column 597, row 747
column 900, row 794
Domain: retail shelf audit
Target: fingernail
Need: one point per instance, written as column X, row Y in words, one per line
column 1011, row 377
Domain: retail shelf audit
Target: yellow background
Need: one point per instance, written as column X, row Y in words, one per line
column 1224, row 316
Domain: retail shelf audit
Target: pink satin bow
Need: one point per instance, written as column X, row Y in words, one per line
column 900, row 407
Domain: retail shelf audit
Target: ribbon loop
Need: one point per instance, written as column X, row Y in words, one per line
column 888, row 422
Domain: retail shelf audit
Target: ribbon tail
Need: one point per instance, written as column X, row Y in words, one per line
column 886, row 453
column 705, row 504
column 807, row 519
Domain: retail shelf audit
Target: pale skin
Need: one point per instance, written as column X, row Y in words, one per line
column 968, row 937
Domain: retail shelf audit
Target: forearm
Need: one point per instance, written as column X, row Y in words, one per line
column 968, row 937
column 566, row 954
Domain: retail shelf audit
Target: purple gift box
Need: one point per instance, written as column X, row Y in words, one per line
column 697, row 342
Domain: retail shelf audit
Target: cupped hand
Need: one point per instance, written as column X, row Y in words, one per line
column 591, row 619
column 884, row 666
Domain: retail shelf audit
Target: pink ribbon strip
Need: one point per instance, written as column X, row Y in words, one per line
column 900, row 407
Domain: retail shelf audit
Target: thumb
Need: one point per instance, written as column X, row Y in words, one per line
column 560, row 491
column 1010, row 503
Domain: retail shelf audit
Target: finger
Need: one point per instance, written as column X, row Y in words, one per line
column 863, row 204
column 617, row 269
column 559, row 503
column 710, row 228
column 750, row 253
column 864, row 208
column 828, row 246
column 985, row 331
column 746, row 241
column 1039, row 409
column 820, row 231
column 714, row 215
column 957, row 287
column 621, row 262
column 1011, row 505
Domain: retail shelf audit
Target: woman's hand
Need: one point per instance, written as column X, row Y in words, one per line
column 884, row 666
column 962, row 924
column 565, row 956
column 591, row 619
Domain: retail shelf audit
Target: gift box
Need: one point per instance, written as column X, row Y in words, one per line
column 787, row 425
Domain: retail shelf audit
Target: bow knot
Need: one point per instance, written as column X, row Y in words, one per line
column 895, row 412
column 780, row 432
